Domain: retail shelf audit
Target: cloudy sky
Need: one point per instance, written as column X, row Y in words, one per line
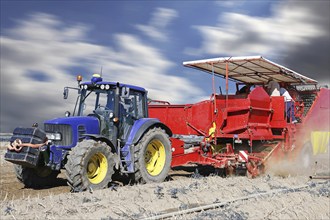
column 44, row 44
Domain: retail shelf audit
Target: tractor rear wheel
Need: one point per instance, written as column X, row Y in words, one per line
column 152, row 157
column 90, row 165
column 35, row 177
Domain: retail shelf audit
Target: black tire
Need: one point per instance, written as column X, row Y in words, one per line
column 90, row 165
column 35, row 177
column 152, row 157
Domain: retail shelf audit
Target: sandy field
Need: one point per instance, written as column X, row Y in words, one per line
column 192, row 193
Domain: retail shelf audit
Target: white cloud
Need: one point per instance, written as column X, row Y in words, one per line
column 230, row 3
column 46, row 45
column 160, row 20
column 143, row 65
column 239, row 34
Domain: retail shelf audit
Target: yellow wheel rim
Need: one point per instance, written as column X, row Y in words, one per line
column 97, row 168
column 155, row 157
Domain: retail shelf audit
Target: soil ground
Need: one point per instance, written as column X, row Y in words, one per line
column 189, row 187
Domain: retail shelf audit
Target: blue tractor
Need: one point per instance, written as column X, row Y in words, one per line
column 109, row 131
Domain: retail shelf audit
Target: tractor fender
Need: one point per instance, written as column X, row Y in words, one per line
column 102, row 139
column 142, row 126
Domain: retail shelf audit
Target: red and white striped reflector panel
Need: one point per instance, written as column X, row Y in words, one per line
column 242, row 155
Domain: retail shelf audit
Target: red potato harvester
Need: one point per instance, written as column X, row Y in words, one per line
column 238, row 133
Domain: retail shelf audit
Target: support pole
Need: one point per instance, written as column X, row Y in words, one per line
column 213, row 86
column 226, row 84
column 215, row 110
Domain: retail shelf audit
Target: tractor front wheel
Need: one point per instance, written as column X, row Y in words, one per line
column 90, row 165
column 153, row 157
column 35, row 177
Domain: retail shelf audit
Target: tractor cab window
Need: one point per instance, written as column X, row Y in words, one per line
column 103, row 102
column 98, row 101
column 131, row 108
column 132, row 105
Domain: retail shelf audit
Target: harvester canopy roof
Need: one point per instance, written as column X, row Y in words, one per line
column 250, row 69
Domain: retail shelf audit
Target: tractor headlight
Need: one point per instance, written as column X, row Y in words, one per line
column 54, row 136
column 67, row 114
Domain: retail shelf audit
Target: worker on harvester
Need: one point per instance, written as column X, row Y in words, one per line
column 289, row 103
column 272, row 87
column 244, row 90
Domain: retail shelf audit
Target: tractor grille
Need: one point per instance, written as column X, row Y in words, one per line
column 81, row 131
column 65, row 130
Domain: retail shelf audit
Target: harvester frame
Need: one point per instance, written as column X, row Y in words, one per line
column 239, row 133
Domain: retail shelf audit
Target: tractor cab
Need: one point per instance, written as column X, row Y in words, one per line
column 116, row 106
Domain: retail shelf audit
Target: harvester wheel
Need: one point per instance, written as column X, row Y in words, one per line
column 90, row 165
column 152, row 157
column 35, row 177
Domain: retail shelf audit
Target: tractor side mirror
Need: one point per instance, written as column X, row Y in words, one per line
column 66, row 93
column 125, row 92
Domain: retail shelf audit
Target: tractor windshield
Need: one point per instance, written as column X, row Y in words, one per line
column 96, row 101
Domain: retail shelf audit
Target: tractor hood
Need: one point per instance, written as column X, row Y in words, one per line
column 85, row 124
